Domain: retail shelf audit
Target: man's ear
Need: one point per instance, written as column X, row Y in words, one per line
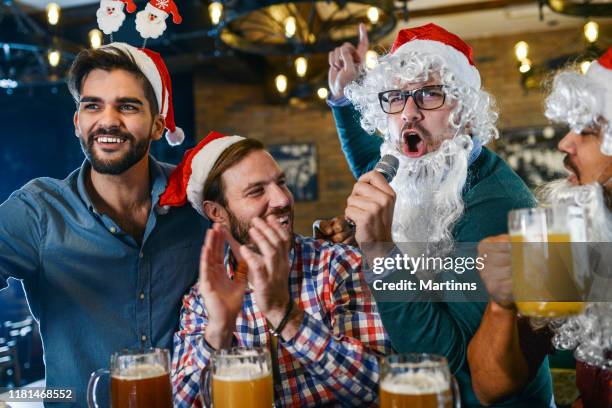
column 216, row 212
column 159, row 124
column 75, row 120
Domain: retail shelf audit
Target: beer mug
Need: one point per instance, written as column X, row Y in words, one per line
column 547, row 277
column 417, row 380
column 238, row 378
column 139, row 379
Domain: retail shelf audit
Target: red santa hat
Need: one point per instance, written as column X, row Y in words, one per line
column 433, row 39
column 186, row 183
column 130, row 6
column 154, row 69
column 600, row 72
column 168, row 7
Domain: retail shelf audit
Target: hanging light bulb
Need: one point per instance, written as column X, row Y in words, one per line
column 95, row 38
column 54, row 57
column 281, row 83
column 521, row 50
column 371, row 59
column 591, row 31
column 373, row 15
column 322, row 93
column 53, row 13
column 301, row 66
column 215, row 10
column 584, row 66
column 525, row 66
column 290, row 26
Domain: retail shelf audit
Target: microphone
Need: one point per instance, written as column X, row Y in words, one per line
column 387, row 166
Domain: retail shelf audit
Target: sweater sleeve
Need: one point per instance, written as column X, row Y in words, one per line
column 361, row 149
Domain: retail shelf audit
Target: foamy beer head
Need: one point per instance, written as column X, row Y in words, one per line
column 416, row 383
column 240, row 371
column 415, row 380
column 140, row 372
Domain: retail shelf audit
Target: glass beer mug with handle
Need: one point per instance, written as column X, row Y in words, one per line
column 549, row 272
column 238, row 378
column 417, row 381
column 139, row 379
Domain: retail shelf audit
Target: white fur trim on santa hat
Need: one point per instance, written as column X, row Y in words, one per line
column 454, row 59
column 603, row 77
column 175, row 138
column 148, row 68
column 201, row 165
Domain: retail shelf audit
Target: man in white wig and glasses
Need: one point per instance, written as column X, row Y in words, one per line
column 425, row 103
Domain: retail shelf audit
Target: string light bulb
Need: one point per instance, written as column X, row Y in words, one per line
column 373, row 15
column 301, row 66
column 95, row 38
column 290, row 26
column 525, row 66
column 215, row 10
column 591, row 31
column 54, row 57
column 521, row 50
column 322, row 93
column 281, row 83
column 584, row 66
column 371, row 59
column 53, row 13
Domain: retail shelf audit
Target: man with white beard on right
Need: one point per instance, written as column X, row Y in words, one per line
column 507, row 347
column 425, row 99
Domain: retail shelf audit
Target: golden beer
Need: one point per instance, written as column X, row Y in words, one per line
column 415, row 390
column 238, row 378
column 543, row 276
column 417, row 380
column 237, row 392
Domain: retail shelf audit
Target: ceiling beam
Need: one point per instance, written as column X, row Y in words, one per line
column 462, row 8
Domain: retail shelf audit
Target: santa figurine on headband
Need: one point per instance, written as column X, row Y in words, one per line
column 110, row 15
column 151, row 22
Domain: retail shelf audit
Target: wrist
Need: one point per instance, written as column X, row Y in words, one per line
column 219, row 336
column 503, row 307
column 277, row 312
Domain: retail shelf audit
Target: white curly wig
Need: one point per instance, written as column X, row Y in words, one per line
column 474, row 107
column 583, row 101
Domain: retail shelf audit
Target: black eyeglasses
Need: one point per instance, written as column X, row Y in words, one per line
column 427, row 98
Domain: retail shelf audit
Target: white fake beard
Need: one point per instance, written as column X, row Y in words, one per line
column 110, row 23
column 429, row 194
column 148, row 28
column 589, row 333
column 590, row 198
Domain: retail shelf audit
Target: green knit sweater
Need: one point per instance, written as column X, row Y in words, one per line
column 492, row 189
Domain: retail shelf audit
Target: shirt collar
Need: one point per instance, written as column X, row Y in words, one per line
column 158, row 177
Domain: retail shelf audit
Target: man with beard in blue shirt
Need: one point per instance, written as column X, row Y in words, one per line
column 103, row 266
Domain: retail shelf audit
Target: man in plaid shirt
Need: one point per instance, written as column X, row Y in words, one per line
column 327, row 352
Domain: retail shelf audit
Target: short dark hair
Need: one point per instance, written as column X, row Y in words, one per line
column 108, row 58
column 213, row 186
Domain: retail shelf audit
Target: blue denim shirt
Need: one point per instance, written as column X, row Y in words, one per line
column 92, row 288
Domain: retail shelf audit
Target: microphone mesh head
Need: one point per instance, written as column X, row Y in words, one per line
column 387, row 166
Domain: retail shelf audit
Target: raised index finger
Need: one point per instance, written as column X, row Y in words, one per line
column 364, row 42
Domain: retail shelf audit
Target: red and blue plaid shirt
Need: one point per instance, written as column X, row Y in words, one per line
column 333, row 359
